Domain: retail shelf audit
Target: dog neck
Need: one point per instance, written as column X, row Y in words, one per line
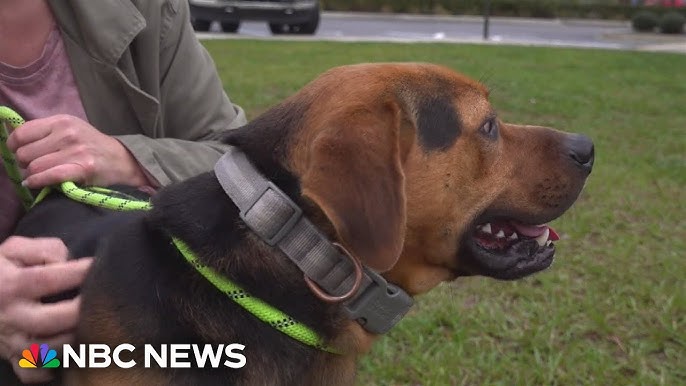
column 217, row 236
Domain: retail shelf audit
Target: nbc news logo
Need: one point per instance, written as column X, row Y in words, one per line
column 162, row 356
column 35, row 358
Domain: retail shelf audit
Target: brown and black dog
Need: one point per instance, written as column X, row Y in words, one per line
column 406, row 165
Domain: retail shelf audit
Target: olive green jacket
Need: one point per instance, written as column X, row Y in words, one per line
column 145, row 79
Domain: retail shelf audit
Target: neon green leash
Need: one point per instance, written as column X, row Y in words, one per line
column 109, row 199
column 11, row 118
column 102, row 198
column 94, row 196
column 255, row 306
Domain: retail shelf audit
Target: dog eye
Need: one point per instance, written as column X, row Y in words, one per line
column 490, row 129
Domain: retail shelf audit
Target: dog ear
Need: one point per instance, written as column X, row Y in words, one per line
column 355, row 176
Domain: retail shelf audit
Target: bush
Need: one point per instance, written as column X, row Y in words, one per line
column 672, row 23
column 644, row 21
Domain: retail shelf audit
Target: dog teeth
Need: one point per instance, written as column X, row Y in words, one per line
column 543, row 237
column 500, row 235
column 486, row 228
column 547, row 243
column 513, row 237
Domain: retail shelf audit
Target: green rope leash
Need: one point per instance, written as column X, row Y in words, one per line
column 255, row 306
column 102, row 198
column 95, row 196
column 14, row 120
column 112, row 200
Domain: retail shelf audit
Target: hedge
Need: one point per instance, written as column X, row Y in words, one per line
column 672, row 23
column 516, row 8
column 644, row 21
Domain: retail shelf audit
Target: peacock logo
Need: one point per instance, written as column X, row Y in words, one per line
column 47, row 358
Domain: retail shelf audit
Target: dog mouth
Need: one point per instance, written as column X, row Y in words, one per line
column 508, row 249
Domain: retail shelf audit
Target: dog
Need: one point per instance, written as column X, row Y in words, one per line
column 406, row 166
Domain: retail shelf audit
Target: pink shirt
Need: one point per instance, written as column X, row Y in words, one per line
column 43, row 88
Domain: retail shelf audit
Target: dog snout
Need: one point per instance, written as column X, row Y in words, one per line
column 581, row 151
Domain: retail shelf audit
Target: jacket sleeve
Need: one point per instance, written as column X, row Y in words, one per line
column 195, row 109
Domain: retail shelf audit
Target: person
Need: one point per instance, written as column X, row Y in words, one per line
column 114, row 92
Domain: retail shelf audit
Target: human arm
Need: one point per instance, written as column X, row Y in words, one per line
column 195, row 108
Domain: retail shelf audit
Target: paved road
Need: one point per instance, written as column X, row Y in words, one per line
column 408, row 28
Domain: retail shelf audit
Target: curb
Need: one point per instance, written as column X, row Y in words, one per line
column 365, row 39
column 473, row 19
column 446, row 18
column 679, row 48
column 676, row 48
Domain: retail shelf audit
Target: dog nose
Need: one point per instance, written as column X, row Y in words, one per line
column 581, row 151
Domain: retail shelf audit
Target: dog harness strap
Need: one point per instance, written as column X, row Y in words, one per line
column 377, row 305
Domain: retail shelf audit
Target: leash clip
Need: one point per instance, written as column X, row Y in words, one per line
column 380, row 306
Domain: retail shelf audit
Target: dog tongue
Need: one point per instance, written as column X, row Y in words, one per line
column 534, row 231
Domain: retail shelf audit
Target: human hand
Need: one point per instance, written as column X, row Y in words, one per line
column 65, row 148
column 31, row 269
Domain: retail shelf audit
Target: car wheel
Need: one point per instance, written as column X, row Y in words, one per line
column 230, row 27
column 278, row 28
column 310, row 26
column 201, row 25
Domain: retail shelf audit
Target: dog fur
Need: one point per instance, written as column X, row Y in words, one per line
column 398, row 162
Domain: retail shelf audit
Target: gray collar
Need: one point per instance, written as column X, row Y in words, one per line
column 377, row 305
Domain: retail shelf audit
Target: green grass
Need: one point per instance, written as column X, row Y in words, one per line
column 612, row 309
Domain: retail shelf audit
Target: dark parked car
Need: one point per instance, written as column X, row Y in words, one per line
column 283, row 16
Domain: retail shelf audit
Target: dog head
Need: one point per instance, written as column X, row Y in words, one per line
column 411, row 169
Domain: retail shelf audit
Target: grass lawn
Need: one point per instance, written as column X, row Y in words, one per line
column 612, row 309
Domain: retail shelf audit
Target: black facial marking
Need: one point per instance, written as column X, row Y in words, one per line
column 438, row 123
